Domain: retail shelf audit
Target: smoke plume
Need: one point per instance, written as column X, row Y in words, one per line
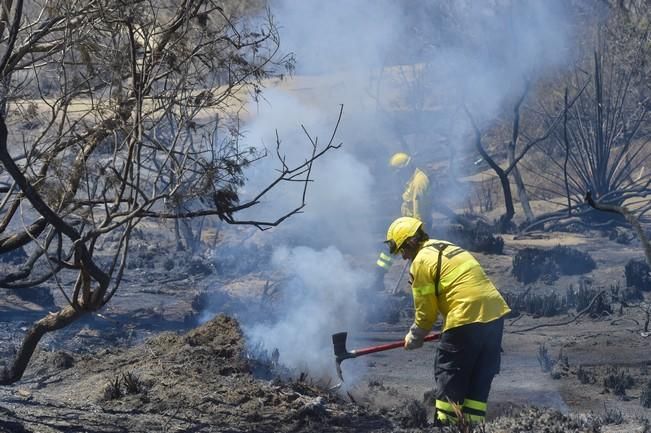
column 403, row 70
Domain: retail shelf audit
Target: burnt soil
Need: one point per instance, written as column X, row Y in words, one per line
column 143, row 366
column 202, row 381
column 199, row 381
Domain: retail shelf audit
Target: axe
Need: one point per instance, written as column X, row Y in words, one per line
column 341, row 353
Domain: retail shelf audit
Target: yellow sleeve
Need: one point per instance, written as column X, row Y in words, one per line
column 425, row 303
column 407, row 202
column 426, row 312
column 416, row 212
column 419, row 186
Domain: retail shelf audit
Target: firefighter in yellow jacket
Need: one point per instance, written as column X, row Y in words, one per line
column 447, row 279
column 416, row 200
column 416, row 203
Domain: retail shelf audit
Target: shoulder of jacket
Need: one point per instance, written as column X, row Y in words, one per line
column 419, row 178
column 426, row 254
column 420, row 173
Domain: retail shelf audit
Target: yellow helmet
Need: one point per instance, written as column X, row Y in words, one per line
column 400, row 230
column 399, row 160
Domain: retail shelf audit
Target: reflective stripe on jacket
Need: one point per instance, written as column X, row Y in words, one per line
column 465, row 294
column 384, row 261
column 415, row 199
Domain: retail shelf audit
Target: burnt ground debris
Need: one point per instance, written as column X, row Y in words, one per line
column 539, row 302
column 531, row 264
column 476, row 236
column 202, row 381
column 104, row 376
column 199, row 381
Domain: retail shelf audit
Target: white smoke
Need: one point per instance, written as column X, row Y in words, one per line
column 319, row 300
column 403, row 71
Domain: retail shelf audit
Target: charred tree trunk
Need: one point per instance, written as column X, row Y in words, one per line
column 49, row 323
column 522, row 194
column 177, row 236
column 630, row 217
column 188, row 235
column 18, row 240
column 505, row 220
column 519, row 183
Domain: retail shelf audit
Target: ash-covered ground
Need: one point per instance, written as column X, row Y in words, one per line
column 203, row 381
column 146, row 365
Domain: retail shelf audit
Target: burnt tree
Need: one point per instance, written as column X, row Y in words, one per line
column 514, row 157
column 117, row 105
column 601, row 147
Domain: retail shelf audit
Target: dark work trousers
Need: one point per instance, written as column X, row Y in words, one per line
column 467, row 359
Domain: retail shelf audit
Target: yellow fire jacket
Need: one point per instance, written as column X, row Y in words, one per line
column 465, row 294
column 415, row 199
column 416, row 202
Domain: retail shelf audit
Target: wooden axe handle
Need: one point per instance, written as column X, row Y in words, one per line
column 388, row 346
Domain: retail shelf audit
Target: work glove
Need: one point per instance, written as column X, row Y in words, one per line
column 414, row 338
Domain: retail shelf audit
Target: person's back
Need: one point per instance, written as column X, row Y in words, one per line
column 464, row 294
column 416, row 198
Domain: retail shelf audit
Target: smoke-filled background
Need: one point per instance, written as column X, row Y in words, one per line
column 404, row 71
